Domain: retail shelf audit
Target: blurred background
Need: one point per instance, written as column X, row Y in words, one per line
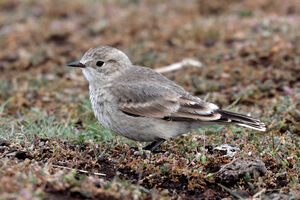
column 248, row 48
column 250, row 51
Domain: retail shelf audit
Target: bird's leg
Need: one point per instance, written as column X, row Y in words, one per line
column 153, row 145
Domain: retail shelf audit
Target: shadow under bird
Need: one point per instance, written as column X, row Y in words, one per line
column 141, row 104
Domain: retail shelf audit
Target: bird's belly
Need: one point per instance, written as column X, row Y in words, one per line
column 104, row 116
column 136, row 128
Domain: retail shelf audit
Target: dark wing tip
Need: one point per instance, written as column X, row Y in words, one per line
column 241, row 120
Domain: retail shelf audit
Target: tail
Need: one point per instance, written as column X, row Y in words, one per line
column 241, row 120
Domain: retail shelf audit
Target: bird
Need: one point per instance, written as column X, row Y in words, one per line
column 143, row 105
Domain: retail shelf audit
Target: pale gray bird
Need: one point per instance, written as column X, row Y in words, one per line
column 141, row 104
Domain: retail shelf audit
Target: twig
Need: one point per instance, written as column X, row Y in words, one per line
column 259, row 193
column 179, row 65
column 235, row 102
column 80, row 170
column 230, row 191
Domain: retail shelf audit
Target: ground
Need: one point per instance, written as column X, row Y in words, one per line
column 52, row 147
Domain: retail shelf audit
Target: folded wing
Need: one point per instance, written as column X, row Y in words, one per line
column 157, row 101
column 162, row 103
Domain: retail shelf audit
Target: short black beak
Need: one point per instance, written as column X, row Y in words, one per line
column 76, row 64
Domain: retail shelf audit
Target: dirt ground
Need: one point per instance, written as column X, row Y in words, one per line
column 52, row 147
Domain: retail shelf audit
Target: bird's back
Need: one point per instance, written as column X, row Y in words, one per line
column 145, row 75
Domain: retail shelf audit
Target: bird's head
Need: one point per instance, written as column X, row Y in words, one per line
column 101, row 63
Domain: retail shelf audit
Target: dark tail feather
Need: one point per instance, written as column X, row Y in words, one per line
column 241, row 120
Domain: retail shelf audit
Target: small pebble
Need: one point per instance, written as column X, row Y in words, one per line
column 2, row 149
column 242, row 193
column 4, row 143
column 21, row 155
column 101, row 159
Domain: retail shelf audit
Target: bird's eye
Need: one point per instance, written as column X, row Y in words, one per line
column 99, row 63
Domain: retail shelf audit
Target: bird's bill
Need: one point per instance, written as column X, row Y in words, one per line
column 76, row 64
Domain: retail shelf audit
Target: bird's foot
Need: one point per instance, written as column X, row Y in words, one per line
column 153, row 146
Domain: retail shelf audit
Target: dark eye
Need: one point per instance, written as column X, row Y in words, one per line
column 99, row 63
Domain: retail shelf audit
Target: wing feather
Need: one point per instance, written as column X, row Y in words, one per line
column 163, row 103
column 158, row 97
